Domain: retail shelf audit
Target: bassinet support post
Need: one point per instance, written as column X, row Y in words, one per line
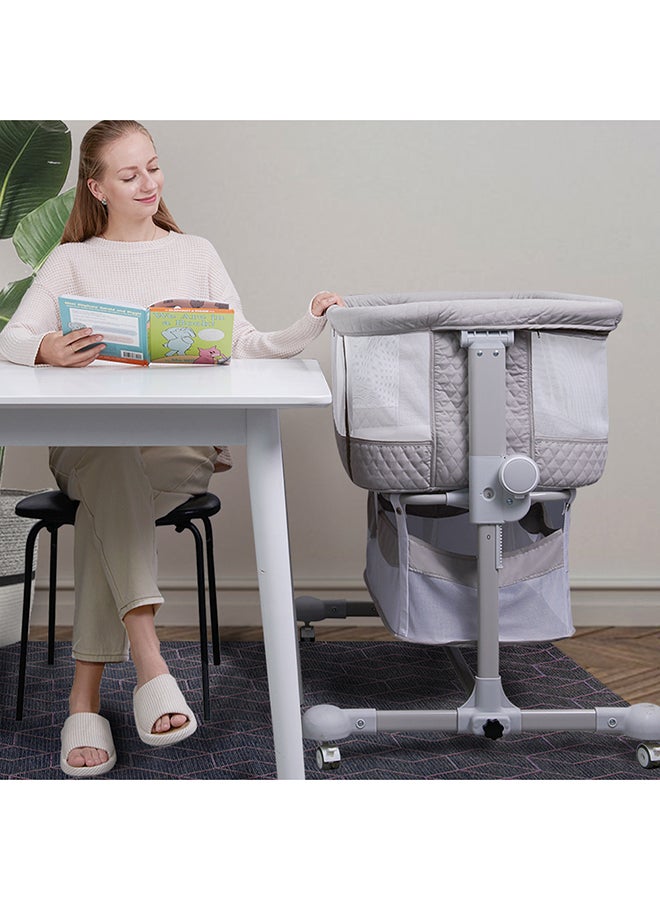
column 499, row 489
column 488, row 650
column 491, row 503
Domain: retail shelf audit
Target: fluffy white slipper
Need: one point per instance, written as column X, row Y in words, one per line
column 87, row 730
column 161, row 697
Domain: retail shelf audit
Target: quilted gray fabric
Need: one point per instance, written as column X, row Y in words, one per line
column 450, row 411
column 570, row 463
column 387, row 467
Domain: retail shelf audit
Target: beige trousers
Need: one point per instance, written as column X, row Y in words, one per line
column 122, row 491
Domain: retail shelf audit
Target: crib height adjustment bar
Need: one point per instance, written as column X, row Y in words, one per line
column 499, row 486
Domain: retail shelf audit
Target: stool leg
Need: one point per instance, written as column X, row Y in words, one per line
column 25, row 619
column 52, row 593
column 201, row 602
column 213, row 597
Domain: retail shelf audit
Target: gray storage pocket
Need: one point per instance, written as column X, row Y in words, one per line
column 421, row 573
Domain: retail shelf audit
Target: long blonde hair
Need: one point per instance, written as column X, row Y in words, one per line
column 88, row 217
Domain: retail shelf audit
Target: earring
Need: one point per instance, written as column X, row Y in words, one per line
column 104, row 202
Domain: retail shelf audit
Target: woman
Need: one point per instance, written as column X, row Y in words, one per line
column 121, row 243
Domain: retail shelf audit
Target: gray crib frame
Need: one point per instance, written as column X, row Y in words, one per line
column 501, row 489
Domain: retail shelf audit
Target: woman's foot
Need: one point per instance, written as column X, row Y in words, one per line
column 87, row 756
column 173, row 720
column 81, row 732
column 151, row 704
column 85, row 698
column 145, row 651
column 165, row 723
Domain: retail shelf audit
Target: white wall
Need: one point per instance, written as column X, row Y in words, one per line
column 295, row 207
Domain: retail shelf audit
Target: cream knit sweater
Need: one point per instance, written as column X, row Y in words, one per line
column 139, row 273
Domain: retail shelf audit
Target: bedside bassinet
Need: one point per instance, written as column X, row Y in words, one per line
column 471, row 419
column 401, row 421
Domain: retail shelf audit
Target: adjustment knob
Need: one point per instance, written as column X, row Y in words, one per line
column 493, row 729
column 519, row 475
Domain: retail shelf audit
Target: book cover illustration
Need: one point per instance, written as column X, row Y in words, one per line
column 170, row 331
column 197, row 332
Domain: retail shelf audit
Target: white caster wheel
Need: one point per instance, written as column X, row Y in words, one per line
column 648, row 755
column 327, row 758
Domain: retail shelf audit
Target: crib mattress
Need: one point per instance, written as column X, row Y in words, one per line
column 400, row 392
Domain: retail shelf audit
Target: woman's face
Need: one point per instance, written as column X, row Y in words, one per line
column 132, row 181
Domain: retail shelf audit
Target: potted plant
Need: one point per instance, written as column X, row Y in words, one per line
column 34, row 162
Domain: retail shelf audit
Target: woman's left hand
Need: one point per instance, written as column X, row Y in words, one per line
column 323, row 300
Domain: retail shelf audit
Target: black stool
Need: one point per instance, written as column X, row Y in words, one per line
column 54, row 509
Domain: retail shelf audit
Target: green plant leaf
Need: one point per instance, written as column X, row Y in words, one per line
column 10, row 296
column 40, row 231
column 34, row 162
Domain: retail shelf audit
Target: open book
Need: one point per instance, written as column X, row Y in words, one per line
column 170, row 331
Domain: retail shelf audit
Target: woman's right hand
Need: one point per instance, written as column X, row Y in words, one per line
column 72, row 349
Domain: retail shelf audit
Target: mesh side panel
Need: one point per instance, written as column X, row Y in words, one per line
column 388, row 387
column 569, row 375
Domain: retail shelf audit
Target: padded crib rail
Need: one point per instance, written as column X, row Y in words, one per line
column 378, row 314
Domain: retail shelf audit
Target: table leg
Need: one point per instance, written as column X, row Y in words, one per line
column 271, row 538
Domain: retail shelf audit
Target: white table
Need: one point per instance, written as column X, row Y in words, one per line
column 110, row 404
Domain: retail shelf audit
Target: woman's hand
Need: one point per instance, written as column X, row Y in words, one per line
column 323, row 300
column 73, row 349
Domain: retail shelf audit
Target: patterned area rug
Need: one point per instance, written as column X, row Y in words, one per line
column 237, row 742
